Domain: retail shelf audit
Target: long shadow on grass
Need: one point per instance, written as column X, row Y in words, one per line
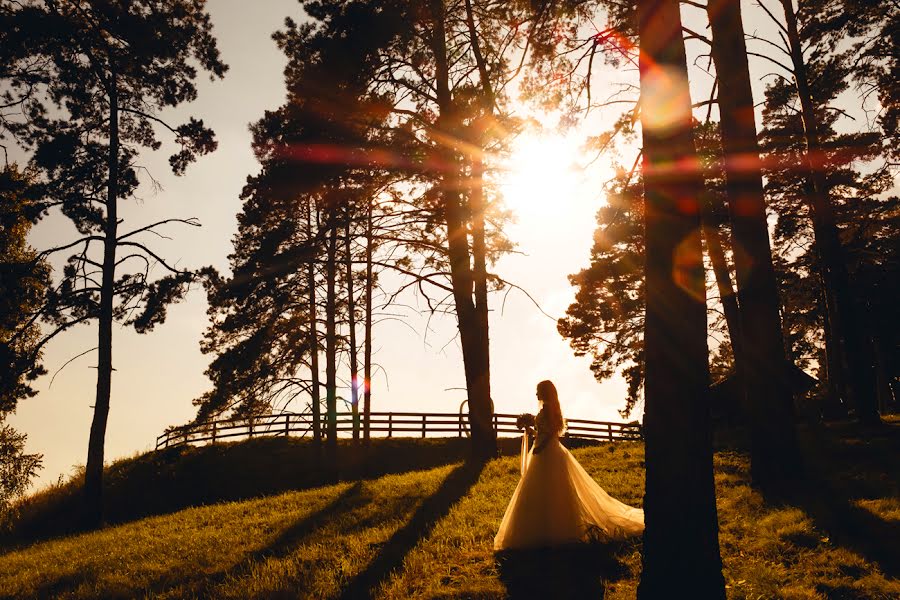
column 571, row 571
column 433, row 509
column 170, row 480
column 852, row 527
column 850, row 467
column 203, row 585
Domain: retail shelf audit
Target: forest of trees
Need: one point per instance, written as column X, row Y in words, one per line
column 737, row 245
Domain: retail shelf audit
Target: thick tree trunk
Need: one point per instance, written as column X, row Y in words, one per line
column 331, row 339
column 93, row 474
column 351, row 324
column 367, row 345
column 315, row 394
column 774, row 454
column 484, row 438
column 845, row 322
column 681, row 537
column 472, row 339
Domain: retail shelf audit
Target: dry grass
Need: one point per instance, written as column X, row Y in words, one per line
column 428, row 533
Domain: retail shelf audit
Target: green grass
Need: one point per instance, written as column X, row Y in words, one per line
column 427, row 533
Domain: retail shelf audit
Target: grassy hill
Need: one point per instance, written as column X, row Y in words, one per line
column 410, row 519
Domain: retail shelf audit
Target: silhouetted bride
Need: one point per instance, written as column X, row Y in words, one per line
column 556, row 501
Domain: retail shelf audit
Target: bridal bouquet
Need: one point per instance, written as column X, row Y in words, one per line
column 525, row 420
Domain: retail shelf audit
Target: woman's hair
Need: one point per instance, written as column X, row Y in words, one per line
column 547, row 394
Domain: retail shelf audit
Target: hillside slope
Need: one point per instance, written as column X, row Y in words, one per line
column 428, row 533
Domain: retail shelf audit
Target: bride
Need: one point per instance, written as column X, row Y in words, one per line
column 556, row 501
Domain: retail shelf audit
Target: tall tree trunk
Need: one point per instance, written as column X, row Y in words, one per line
column 886, row 399
column 476, row 211
column 484, row 438
column 845, row 322
column 367, row 345
column 774, row 454
column 836, row 402
column 715, row 246
column 315, row 399
column 93, row 474
column 681, row 540
column 479, row 256
column 331, row 339
column 351, row 318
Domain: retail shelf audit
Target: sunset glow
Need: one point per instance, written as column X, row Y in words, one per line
column 542, row 169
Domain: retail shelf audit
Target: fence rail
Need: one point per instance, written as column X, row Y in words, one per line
column 387, row 424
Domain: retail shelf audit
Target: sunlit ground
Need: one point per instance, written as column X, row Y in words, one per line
column 427, row 533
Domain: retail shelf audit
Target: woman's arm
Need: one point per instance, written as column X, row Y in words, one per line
column 542, row 435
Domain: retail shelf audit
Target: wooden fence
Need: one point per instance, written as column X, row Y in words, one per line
column 381, row 424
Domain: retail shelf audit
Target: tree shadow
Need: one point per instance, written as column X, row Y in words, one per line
column 392, row 553
column 170, row 480
column 846, row 466
column 571, row 571
column 202, row 585
column 851, row 526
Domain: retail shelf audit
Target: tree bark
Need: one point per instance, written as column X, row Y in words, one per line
column 351, row 324
column 93, row 474
column 315, row 397
column 367, row 344
column 774, row 454
column 681, row 537
column 472, row 339
column 331, row 339
column 836, row 401
column 479, row 256
column 715, row 246
column 845, row 322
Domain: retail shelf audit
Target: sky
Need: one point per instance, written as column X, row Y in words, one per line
column 158, row 375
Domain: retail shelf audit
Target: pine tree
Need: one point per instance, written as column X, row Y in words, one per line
column 100, row 73
column 24, row 277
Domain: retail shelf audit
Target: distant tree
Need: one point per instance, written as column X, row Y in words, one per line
column 845, row 324
column 871, row 27
column 293, row 265
column 17, row 468
column 606, row 320
column 24, row 277
column 95, row 74
column 681, row 537
column 441, row 69
column 833, row 213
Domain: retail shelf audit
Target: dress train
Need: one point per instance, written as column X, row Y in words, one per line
column 558, row 502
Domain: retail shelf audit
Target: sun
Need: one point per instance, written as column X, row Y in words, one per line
column 542, row 170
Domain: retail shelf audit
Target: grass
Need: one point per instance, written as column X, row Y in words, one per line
column 427, row 533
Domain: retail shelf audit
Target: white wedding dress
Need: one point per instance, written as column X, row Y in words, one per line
column 557, row 502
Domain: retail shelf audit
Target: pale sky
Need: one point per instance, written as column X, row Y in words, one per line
column 158, row 374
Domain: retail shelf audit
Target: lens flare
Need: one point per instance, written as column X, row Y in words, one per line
column 666, row 90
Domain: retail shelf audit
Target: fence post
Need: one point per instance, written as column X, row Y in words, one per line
column 287, row 424
column 460, row 425
column 390, row 424
column 423, row 425
column 495, row 423
column 609, row 427
column 250, row 428
column 214, row 433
